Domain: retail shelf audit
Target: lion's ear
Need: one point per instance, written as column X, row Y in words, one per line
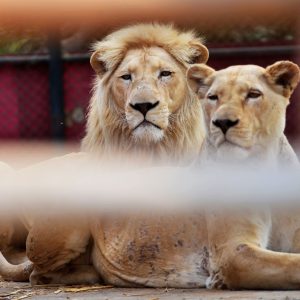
column 284, row 76
column 200, row 53
column 196, row 77
column 97, row 63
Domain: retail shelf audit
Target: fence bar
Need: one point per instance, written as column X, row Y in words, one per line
column 254, row 51
column 214, row 52
column 56, row 87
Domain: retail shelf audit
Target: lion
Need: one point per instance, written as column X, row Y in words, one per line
column 141, row 106
column 244, row 109
column 141, row 101
column 258, row 133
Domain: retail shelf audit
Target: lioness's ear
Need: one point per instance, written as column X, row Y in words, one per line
column 284, row 75
column 200, row 55
column 196, row 77
column 97, row 63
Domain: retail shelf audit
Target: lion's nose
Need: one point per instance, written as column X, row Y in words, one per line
column 225, row 124
column 144, row 107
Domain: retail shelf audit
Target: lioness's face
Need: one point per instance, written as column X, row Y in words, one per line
column 149, row 86
column 244, row 106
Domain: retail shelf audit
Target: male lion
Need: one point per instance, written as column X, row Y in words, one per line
column 141, row 105
column 244, row 108
column 141, row 102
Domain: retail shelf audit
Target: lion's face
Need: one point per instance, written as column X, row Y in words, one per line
column 149, row 86
column 141, row 101
column 244, row 106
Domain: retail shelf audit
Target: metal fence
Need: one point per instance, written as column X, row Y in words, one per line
column 42, row 97
column 46, row 96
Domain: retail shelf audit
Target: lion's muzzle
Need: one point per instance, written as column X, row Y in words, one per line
column 144, row 107
column 225, row 124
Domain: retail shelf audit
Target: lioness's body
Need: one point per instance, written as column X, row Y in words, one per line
column 244, row 108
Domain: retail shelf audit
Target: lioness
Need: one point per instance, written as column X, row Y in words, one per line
column 244, row 108
column 249, row 129
column 141, row 105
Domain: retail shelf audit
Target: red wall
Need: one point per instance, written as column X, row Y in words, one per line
column 25, row 104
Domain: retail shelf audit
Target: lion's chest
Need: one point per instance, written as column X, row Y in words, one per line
column 162, row 252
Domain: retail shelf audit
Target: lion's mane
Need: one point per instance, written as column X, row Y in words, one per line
column 106, row 128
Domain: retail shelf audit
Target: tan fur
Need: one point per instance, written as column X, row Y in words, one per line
column 239, row 239
column 152, row 251
column 261, row 121
column 144, row 51
column 13, row 231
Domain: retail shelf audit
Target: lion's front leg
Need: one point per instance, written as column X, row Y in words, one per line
column 70, row 274
column 239, row 258
column 13, row 233
column 54, row 246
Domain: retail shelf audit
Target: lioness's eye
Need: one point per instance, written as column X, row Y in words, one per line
column 213, row 97
column 254, row 95
column 165, row 73
column 126, row 76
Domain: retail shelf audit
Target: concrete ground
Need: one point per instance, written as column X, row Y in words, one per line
column 19, row 291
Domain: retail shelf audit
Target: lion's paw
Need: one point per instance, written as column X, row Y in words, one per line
column 215, row 281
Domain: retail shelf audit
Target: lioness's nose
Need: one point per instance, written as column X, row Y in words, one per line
column 144, row 107
column 225, row 124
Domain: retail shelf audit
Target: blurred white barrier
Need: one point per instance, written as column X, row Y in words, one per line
column 73, row 184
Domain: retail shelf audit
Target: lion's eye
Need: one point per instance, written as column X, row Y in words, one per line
column 253, row 95
column 165, row 73
column 126, row 76
column 213, row 97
